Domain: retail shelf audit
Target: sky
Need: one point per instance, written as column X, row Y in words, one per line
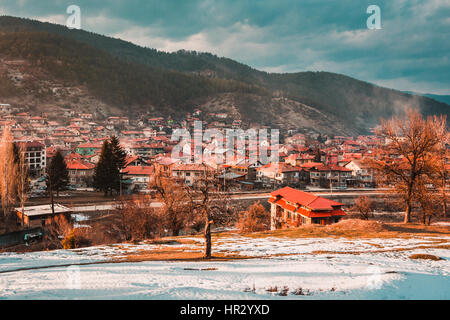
column 410, row 52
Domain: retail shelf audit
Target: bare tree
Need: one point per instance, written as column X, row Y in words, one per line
column 136, row 219
column 175, row 210
column 442, row 169
column 411, row 143
column 364, row 205
column 427, row 199
column 22, row 178
column 8, row 169
column 209, row 205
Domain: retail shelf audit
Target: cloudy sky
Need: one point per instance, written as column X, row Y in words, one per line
column 410, row 52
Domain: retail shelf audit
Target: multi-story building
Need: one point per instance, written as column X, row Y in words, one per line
column 281, row 174
column 361, row 173
column 326, row 176
column 35, row 156
column 81, row 173
column 293, row 208
column 190, row 173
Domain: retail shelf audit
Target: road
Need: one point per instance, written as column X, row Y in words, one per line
column 112, row 205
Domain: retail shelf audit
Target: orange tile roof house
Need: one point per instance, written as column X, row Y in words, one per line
column 80, row 172
column 292, row 208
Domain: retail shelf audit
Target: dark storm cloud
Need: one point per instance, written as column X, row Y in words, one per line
column 410, row 52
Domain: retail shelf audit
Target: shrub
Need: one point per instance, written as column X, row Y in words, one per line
column 76, row 238
column 364, row 206
column 425, row 256
column 256, row 218
column 136, row 220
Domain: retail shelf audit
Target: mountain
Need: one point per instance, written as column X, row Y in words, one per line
column 437, row 97
column 87, row 69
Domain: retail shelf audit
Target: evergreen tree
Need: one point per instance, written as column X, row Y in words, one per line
column 106, row 173
column 119, row 159
column 119, row 154
column 58, row 175
column 318, row 155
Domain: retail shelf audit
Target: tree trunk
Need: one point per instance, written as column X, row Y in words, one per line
column 207, row 235
column 408, row 204
column 408, row 212
column 444, row 200
column 52, row 203
column 22, row 207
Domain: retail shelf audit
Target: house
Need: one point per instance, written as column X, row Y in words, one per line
column 230, row 180
column 135, row 161
column 86, row 116
column 190, row 173
column 147, row 150
column 164, row 165
column 81, row 173
column 361, row 173
column 325, row 176
column 137, row 177
column 37, row 119
column 36, row 216
column 155, row 121
column 86, row 149
column 132, row 134
column 249, row 170
column 293, row 208
column 299, row 159
column 281, row 174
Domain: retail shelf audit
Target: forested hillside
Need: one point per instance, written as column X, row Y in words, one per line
column 123, row 74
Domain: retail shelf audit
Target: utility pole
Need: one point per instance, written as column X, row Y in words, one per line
column 51, row 194
column 120, row 182
column 331, row 184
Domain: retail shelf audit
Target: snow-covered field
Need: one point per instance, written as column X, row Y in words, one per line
column 344, row 269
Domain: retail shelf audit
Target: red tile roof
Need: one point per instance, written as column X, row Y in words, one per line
column 138, row 170
column 192, row 167
column 308, row 200
column 75, row 164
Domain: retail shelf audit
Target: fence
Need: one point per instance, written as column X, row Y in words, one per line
column 17, row 237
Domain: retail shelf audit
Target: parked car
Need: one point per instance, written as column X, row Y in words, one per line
column 31, row 237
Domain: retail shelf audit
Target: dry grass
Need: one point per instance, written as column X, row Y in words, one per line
column 425, row 256
column 350, row 229
column 355, row 229
column 176, row 254
column 430, row 246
